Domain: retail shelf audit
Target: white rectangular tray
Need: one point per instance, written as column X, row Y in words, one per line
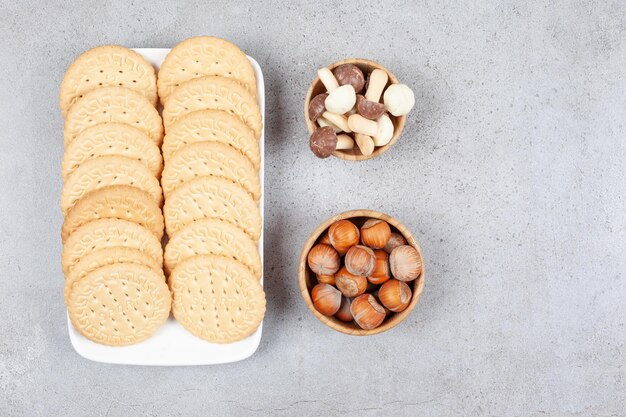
column 172, row 345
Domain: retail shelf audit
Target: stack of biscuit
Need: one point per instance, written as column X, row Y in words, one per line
column 112, row 258
column 212, row 189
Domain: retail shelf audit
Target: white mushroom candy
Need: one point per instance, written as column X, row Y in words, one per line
column 385, row 131
column 399, row 99
column 341, row 99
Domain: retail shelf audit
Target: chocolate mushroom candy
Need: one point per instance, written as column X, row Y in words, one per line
column 369, row 109
column 317, row 106
column 323, row 142
column 399, row 99
column 376, row 84
column 350, row 74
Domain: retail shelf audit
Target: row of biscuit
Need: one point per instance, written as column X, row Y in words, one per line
column 212, row 187
column 112, row 258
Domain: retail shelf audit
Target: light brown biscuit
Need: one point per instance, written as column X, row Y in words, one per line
column 105, row 171
column 124, row 202
column 212, row 197
column 213, row 92
column 214, row 126
column 203, row 159
column 113, row 104
column 200, row 56
column 106, row 233
column 119, row 304
column 111, row 139
column 107, row 256
column 214, row 237
column 107, row 66
column 216, row 298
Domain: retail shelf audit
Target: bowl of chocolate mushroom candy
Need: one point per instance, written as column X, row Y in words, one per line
column 355, row 110
column 361, row 272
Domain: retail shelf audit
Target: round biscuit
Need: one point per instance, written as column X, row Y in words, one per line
column 106, row 233
column 124, row 202
column 213, row 92
column 119, row 304
column 200, row 56
column 102, row 257
column 210, row 159
column 105, row 171
column 212, row 197
column 212, row 237
column 216, row 298
column 113, row 104
column 107, row 66
column 214, row 126
column 111, row 139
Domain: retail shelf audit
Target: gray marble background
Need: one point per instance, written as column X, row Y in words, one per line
column 511, row 174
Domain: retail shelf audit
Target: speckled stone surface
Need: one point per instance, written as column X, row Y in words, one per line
column 511, row 174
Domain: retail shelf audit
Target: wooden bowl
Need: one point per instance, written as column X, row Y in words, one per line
column 317, row 87
column 307, row 279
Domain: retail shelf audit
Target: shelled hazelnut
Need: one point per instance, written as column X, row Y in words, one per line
column 358, row 280
column 355, row 109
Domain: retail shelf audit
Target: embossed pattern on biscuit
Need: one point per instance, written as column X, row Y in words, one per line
column 108, row 170
column 214, row 237
column 216, row 298
column 107, row 256
column 213, row 92
column 212, row 197
column 210, row 159
column 107, row 66
column 123, row 202
column 106, row 233
column 113, row 104
column 119, row 304
column 204, row 55
column 111, row 139
column 214, row 126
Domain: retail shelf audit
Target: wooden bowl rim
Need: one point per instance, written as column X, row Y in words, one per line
column 417, row 286
column 400, row 121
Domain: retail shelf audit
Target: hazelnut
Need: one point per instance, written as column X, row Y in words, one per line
column 395, row 295
column 324, row 260
column 368, row 109
column 405, row 262
column 350, row 285
column 350, row 74
column 360, row 260
column 326, row 299
column 344, row 313
column 375, row 233
column 381, row 272
column 395, row 240
column 317, row 107
column 323, row 142
column 367, row 312
column 343, row 234
column 324, row 239
column 326, row 279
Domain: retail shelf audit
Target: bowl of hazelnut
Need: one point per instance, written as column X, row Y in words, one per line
column 361, row 272
column 355, row 109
